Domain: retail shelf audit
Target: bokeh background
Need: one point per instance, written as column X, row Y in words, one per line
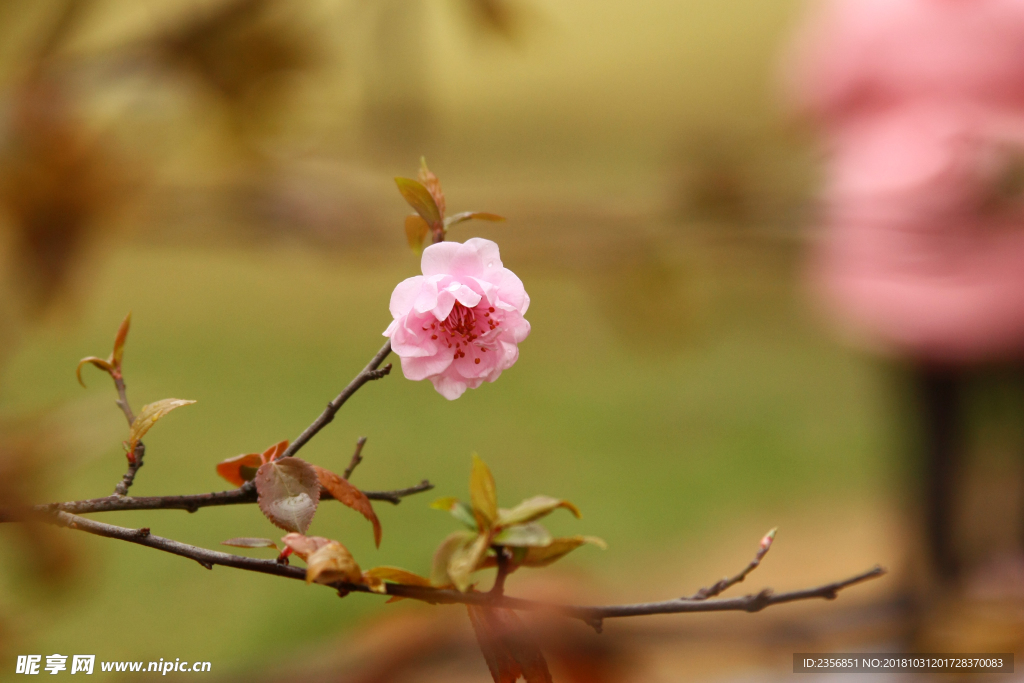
column 223, row 170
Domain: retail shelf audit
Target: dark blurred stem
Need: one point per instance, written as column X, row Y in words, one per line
column 591, row 615
column 357, row 457
column 369, row 373
column 498, row 589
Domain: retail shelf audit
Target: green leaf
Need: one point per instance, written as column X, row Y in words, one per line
column 534, row 508
column 397, row 575
column 557, row 549
column 524, row 535
column 458, row 510
column 288, row 493
column 443, row 555
column 483, row 494
column 472, row 215
column 466, row 560
column 420, row 199
column 148, row 417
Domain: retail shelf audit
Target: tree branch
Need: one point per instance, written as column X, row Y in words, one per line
column 357, row 458
column 191, row 503
column 591, row 615
column 728, row 582
column 369, row 373
column 134, row 462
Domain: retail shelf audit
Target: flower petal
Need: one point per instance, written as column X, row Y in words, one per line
column 405, row 295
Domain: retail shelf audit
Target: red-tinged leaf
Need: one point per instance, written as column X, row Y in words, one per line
column 466, row 560
column 521, row 646
column 122, row 334
column 396, row 575
column 333, row 562
column 249, row 542
column 483, row 494
column 470, row 216
column 500, row 662
column 534, row 508
column 239, row 469
column 148, row 417
column 349, row 495
column 303, row 545
column 416, row 231
column 101, row 363
column 557, row 549
column 443, row 555
column 420, row 199
column 288, row 493
column 274, row 452
column 433, row 185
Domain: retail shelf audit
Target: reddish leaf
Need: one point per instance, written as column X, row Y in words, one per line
column 507, row 647
column 288, row 493
column 420, row 199
column 416, row 231
column 433, row 185
column 472, row 215
column 122, row 334
column 500, row 662
column 112, row 363
column 349, row 495
column 248, row 542
column 239, row 469
column 303, row 545
column 274, row 452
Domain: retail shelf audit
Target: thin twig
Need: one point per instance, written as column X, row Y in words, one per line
column 370, row 372
column 134, row 462
column 191, row 503
column 357, row 458
column 728, row 582
column 591, row 615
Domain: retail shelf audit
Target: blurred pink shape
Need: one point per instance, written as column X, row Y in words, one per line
column 460, row 322
column 921, row 105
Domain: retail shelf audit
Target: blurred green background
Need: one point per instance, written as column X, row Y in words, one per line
column 676, row 386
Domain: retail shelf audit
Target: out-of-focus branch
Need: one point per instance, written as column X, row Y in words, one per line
column 593, row 616
column 369, row 373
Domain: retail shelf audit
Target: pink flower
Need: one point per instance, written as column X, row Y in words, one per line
column 460, row 322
